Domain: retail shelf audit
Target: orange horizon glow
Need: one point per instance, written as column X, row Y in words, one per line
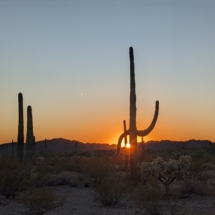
column 104, row 129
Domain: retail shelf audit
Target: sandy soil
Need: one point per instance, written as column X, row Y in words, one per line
column 80, row 201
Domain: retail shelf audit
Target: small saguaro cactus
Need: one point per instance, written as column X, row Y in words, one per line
column 45, row 145
column 143, row 147
column 132, row 131
column 76, row 146
column 30, row 139
column 12, row 148
column 20, row 138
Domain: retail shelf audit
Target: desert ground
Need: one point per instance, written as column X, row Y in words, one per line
column 97, row 183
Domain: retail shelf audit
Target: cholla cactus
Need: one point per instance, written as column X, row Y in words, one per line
column 165, row 172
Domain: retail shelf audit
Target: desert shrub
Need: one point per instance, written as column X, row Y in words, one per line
column 207, row 166
column 70, row 164
column 40, row 200
column 149, row 198
column 13, row 177
column 195, row 166
column 193, row 187
column 45, row 170
column 165, row 171
column 63, row 178
column 205, row 176
column 99, row 168
column 84, row 153
column 111, row 189
column 143, row 192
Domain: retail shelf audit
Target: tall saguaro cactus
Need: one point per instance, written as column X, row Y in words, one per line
column 30, row 139
column 132, row 131
column 20, row 138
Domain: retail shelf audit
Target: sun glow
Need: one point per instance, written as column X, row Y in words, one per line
column 128, row 145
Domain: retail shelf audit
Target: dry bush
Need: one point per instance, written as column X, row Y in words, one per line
column 143, row 193
column 45, row 170
column 40, row 200
column 67, row 165
column 193, row 187
column 13, row 177
column 207, row 166
column 147, row 198
column 195, row 166
column 111, row 189
column 63, row 178
column 98, row 168
column 207, row 176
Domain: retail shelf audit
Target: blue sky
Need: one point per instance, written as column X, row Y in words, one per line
column 70, row 60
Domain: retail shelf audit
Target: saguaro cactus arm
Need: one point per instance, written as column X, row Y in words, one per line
column 126, row 149
column 124, row 125
column 152, row 125
column 123, row 135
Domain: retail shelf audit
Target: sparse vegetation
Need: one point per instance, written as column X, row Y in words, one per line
column 37, row 201
column 111, row 189
column 13, row 177
column 106, row 175
column 165, row 171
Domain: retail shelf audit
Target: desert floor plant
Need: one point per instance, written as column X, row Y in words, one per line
column 99, row 168
column 13, row 177
column 165, row 171
column 111, row 189
column 37, row 201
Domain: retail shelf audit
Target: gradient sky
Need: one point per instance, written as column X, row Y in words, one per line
column 70, row 60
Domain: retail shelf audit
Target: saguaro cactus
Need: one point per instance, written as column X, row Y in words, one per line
column 12, row 148
column 126, row 149
column 45, row 145
column 132, row 131
column 20, row 138
column 30, row 139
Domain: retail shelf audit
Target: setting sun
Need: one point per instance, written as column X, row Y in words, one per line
column 128, row 145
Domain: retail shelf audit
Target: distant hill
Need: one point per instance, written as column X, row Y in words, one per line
column 59, row 145
column 165, row 144
column 63, row 145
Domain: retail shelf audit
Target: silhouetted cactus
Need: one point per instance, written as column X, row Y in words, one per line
column 76, row 146
column 45, row 145
column 30, row 139
column 12, row 148
column 126, row 149
column 132, row 131
column 20, row 138
column 143, row 147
